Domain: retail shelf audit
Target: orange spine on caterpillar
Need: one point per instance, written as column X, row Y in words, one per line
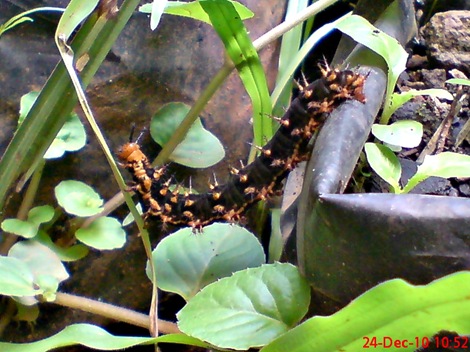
column 258, row 180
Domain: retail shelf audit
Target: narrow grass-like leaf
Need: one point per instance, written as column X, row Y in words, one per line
column 290, row 45
column 394, row 309
column 248, row 309
column 300, row 55
column 75, row 13
column 219, row 252
column 227, row 23
column 461, row 81
column 404, row 133
column 58, row 98
column 22, row 17
column 96, row 338
column 199, row 149
column 385, row 164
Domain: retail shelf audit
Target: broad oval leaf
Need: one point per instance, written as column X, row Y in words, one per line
column 385, row 164
column 16, row 279
column 78, row 198
column 393, row 309
column 248, row 309
column 447, row 164
column 42, row 262
column 199, row 149
column 186, row 262
column 405, row 133
column 103, row 233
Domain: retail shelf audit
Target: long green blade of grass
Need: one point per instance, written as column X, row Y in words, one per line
column 58, row 98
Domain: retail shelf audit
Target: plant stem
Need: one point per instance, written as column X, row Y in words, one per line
column 113, row 312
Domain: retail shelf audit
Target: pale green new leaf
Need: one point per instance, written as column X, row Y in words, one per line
column 385, row 164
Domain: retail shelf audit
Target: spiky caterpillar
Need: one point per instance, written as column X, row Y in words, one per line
column 255, row 182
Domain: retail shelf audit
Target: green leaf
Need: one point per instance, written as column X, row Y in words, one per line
column 230, row 28
column 394, row 309
column 158, row 6
column 96, row 338
column 103, row 233
column 20, row 18
column 404, row 133
column 78, row 198
column 16, row 279
column 359, row 29
column 75, row 13
column 199, row 149
column 221, row 250
column 285, row 78
column 46, row 267
column 385, row 164
column 20, row 228
column 69, row 254
column 461, row 81
column 444, row 165
column 29, row 228
column 71, row 137
column 194, row 10
column 248, row 309
column 129, row 219
column 398, row 99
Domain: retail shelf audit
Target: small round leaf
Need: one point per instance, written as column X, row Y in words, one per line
column 70, row 138
column 199, row 149
column 405, row 133
column 78, row 198
column 103, row 233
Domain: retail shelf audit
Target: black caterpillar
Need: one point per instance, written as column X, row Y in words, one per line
column 257, row 181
